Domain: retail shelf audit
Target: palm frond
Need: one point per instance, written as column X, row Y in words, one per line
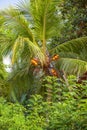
column 17, row 22
column 24, row 7
column 22, row 82
column 7, row 40
column 72, row 66
column 73, row 55
column 45, row 20
column 76, row 46
column 32, row 50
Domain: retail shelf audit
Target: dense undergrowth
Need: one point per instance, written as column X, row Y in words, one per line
column 67, row 109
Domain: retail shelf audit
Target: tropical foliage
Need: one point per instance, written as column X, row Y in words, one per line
column 26, row 36
column 75, row 20
column 73, row 57
column 28, row 29
column 67, row 111
column 47, row 47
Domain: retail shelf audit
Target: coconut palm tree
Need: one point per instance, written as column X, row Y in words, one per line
column 28, row 30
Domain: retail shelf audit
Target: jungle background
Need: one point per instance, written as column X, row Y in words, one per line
column 46, row 87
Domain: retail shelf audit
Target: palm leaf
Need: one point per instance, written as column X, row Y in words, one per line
column 73, row 56
column 14, row 20
column 72, row 66
column 32, row 50
column 75, row 46
column 43, row 14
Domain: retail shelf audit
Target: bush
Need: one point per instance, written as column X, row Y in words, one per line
column 17, row 117
column 69, row 113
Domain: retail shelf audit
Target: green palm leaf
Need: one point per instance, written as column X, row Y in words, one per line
column 72, row 66
column 33, row 49
column 75, row 45
column 13, row 19
column 73, row 55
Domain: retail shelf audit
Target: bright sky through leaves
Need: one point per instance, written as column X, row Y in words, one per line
column 6, row 3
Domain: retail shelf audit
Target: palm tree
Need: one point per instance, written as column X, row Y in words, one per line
column 28, row 30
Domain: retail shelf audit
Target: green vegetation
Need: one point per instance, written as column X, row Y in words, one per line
column 47, row 44
column 66, row 111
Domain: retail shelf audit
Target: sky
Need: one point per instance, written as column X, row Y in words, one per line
column 6, row 3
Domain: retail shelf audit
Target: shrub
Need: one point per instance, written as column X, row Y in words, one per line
column 69, row 113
